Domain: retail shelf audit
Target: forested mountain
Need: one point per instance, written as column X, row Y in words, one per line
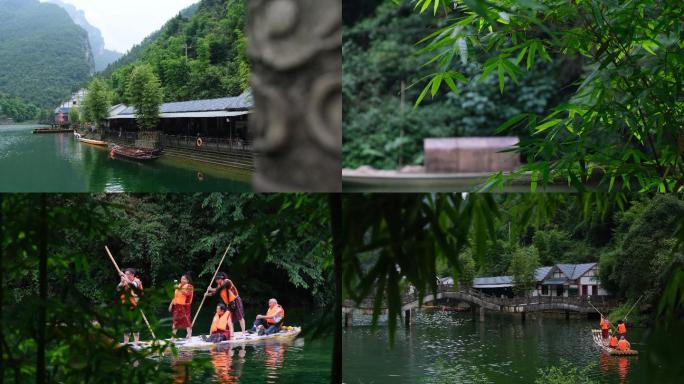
column 17, row 109
column 44, row 55
column 102, row 57
column 200, row 53
column 380, row 52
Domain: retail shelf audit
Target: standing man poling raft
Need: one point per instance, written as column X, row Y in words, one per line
column 270, row 322
column 230, row 297
column 180, row 307
column 622, row 329
column 131, row 288
column 605, row 328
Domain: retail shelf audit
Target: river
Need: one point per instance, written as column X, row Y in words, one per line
column 456, row 348
column 303, row 360
column 59, row 163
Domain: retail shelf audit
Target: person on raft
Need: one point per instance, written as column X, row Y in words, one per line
column 230, row 297
column 605, row 327
column 613, row 342
column 131, row 287
column 221, row 327
column 622, row 328
column 180, row 306
column 270, row 322
column 623, row 345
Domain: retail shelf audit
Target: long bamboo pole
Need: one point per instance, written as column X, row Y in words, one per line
column 121, row 274
column 596, row 309
column 211, row 281
column 633, row 305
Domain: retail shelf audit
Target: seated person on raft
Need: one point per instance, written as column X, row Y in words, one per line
column 613, row 342
column 270, row 322
column 221, row 326
column 623, row 345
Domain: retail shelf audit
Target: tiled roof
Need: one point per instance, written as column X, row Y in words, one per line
column 242, row 102
column 575, row 271
column 493, row 281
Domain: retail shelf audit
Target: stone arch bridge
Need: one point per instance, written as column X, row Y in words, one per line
column 482, row 302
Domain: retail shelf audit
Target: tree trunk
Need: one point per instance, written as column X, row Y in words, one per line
column 42, row 305
column 336, row 227
column 296, row 63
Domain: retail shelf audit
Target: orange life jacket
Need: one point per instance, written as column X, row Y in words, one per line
column 622, row 328
column 604, row 324
column 623, row 345
column 613, row 342
column 133, row 296
column 220, row 323
column 229, row 295
column 181, row 295
column 274, row 311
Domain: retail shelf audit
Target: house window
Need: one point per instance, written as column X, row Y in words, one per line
column 585, row 290
column 545, row 290
column 572, row 291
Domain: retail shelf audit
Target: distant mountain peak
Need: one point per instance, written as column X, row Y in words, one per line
column 102, row 56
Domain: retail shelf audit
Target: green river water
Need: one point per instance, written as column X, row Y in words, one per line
column 59, row 163
column 456, row 348
column 303, row 360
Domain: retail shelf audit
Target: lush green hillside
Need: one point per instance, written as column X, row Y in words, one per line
column 380, row 53
column 201, row 53
column 43, row 54
column 17, row 109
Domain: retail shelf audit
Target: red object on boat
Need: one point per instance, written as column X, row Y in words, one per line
column 136, row 153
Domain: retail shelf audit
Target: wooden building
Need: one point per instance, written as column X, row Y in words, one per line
column 223, row 118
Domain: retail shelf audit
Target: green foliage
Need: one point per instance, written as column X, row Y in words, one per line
column 144, row 92
column 394, row 240
column 618, row 124
column 524, row 263
column 74, row 116
column 379, row 53
column 18, row 109
column 43, row 54
column 201, row 53
column 565, row 373
column 644, row 255
column 97, row 102
column 281, row 247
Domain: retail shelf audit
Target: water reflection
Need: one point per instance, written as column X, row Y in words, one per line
column 180, row 367
column 611, row 365
column 228, row 362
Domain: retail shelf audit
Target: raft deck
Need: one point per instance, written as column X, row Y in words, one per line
column 196, row 342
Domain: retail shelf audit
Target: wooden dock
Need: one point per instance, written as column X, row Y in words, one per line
column 52, row 130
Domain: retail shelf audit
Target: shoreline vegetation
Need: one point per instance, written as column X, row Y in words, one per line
column 55, row 258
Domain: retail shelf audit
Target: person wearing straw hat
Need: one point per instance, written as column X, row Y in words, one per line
column 131, row 288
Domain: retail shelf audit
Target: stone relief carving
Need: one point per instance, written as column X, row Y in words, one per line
column 295, row 48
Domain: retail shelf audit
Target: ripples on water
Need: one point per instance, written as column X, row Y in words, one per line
column 447, row 347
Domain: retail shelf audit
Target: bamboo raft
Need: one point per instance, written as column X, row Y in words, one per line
column 598, row 340
column 196, row 342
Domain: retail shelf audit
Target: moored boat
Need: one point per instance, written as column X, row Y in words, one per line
column 93, row 142
column 631, row 352
column 142, row 154
column 197, row 343
column 52, row 130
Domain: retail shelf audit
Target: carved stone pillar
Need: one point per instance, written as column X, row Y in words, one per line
column 295, row 49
